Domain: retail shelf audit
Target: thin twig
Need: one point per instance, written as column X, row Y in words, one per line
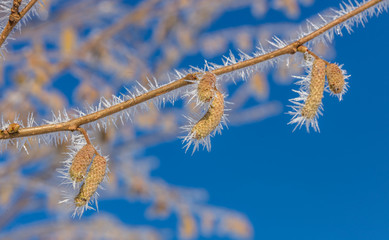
column 73, row 124
column 83, row 131
column 15, row 17
column 304, row 49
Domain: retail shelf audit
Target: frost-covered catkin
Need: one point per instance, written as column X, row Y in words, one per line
column 316, row 89
column 206, row 86
column 335, row 78
column 81, row 163
column 95, row 176
column 211, row 119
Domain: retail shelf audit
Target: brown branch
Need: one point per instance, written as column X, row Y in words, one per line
column 292, row 48
column 73, row 124
column 14, row 18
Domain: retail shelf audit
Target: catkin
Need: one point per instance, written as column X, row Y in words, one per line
column 206, row 86
column 95, row 176
column 81, row 163
column 211, row 119
column 188, row 226
column 316, row 89
column 259, row 84
column 335, row 78
column 68, row 41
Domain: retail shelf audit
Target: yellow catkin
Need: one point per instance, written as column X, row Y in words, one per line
column 95, row 176
column 211, row 119
column 258, row 83
column 316, row 89
column 335, row 78
column 238, row 226
column 81, row 163
column 7, row 191
column 68, row 41
column 205, row 89
column 188, row 226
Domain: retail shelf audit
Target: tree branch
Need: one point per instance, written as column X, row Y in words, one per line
column 292, row 48
column 14, row 18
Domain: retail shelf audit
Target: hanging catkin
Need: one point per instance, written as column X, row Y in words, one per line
column 316, row 89
column 335, row 78
column 93, row 179
column 212, row 117
column 81, row 163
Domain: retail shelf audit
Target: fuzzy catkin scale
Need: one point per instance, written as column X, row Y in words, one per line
column 205, row 89
column 95, row 176
column 81, row 163
column 211, row 119
column 335, row 78
column 316, row 89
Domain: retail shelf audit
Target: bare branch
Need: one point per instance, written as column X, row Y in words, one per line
column 15, row 17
